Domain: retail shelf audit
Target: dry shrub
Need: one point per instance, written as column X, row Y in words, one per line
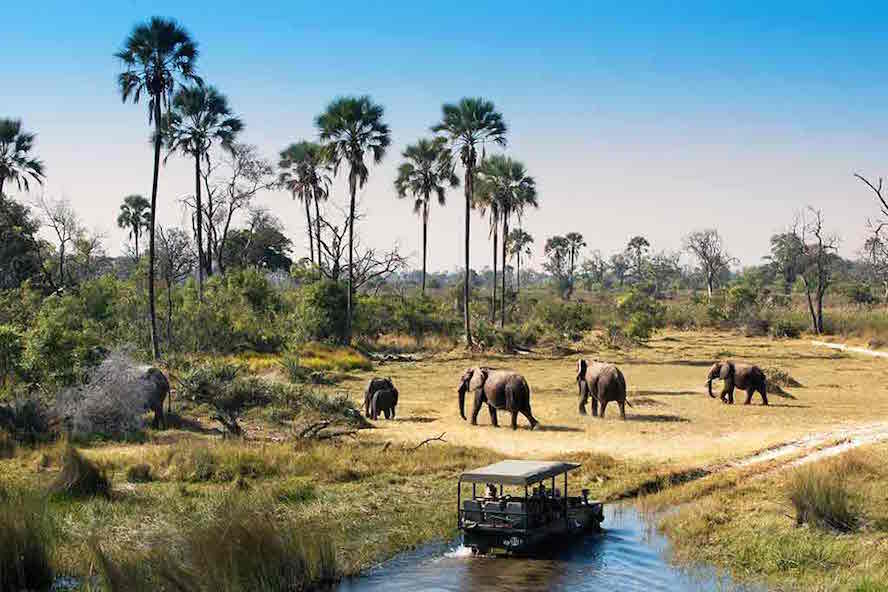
column 238, row 548
column 780, row 377
column 140, row 473
column 26, row 543
column 820, row 497
column 79, row 477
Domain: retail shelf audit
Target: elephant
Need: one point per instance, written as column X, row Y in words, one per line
column 376, row 383
column 603, row 383
column 500, row 389
column 746, row 377
column 384, row 401
column 156, row 388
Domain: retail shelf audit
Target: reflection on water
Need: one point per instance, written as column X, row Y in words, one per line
column 628, row 555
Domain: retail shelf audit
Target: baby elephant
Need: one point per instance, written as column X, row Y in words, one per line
column 745, row 377
column 384, row 401
column 376, row 384
column 603, row 383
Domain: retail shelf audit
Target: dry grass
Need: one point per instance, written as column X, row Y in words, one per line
column 321, row 356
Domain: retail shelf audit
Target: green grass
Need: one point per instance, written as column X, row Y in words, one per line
column 80, row 477
column 821, row 497
column 27, row 541
column 321, row 356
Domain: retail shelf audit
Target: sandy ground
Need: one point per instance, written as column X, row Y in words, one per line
column 673, row 422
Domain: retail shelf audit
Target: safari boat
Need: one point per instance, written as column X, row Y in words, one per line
column 516, row 505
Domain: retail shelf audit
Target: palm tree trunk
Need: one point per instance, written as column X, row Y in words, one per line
column 199, row 206
column 493, row 294
column 318, row 228
column 425, row 237
column 351, row 254
column 503, row 291
column 136, row 237
column 2, row 181
column 209, row 229
column 310, row 233
column 169, row 314
column 469, row 196
column 152, row 312
column 518, row 275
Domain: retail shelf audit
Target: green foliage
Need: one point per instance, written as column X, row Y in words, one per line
column 640, row 313
column 321, row 313
column 821, row 497
column 12, row 348
column 784, row 327
column 567, row 320
column 79, row 477
column 858, row 293
column 26, row 543
column 28, row 421
column 140, row 473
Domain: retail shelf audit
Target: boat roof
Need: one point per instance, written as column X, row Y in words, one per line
column 517, row 472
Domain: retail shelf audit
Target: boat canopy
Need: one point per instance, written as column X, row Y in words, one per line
column 517, row 472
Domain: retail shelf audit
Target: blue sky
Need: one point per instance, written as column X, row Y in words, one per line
column 654, row 118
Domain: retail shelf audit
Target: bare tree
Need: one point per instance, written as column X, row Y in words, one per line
column 875, row 254
column 176, row 261
column 90, row 259
column 706, row 246
column 60, row 217
column 594, row 270
column 818, row 261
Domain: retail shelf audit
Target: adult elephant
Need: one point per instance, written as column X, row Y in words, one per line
column 602, row 383
column 377, row 384
column 500, row 389
column 155, row 388
column 746, row 377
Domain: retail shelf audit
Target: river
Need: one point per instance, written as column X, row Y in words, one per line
column 629, row 556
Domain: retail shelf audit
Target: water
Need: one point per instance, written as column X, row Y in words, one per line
column 628, row 556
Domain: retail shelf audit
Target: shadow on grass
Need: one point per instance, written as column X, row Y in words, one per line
column 187, row 424
column 557, row 428
column 650, row 393
column 789, row 406
column 416, row 419
column 658, row 418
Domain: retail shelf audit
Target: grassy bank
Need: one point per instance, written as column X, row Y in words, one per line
column 822, row 526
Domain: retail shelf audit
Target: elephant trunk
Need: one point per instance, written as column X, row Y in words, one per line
column 462, row 403
column 709, row 387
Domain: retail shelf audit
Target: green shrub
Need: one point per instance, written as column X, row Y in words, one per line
column 28, row 421
column 26, row 543
column 140, row 473
column 295, row 491
column 321, row 312
column 641, row 313
column 820, row 497
column 12, row 348
column 292, row 368
column 785, row 328
column 79, row 477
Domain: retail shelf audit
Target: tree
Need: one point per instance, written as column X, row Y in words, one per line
column 557, row 250
column 818, row 261
column 176, row 260
column 20, row 257
column 305, row 173
column 594, row 270
column 664, row 269
column 619, row 264
column 470, row 124
column 61, row 218
column 518, row 243
column 89, row 259
column 706, row 245
column 427, row 169
column 353, row 126
column 786, row 255
column 156, row 55
column 575, row 242
column 16, row 162
column 875, row 253
column 636, row 251
column 198, row 118
column 134, row 216
column 261, row 244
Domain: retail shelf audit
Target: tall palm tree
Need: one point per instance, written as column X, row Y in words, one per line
column 134, row 216
column 16, row 162
column 305, row 172
column 489, row 201
column 351, row 127
column 575, row 242
column 507, row 183
column 518, row 243
column 470, row 124
column 156, row 55
column 428, row 169
column 199, row 117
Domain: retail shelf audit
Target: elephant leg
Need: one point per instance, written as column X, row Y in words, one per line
column 492, row 411
column 514, row 419
column 476, row 409
column 393, row 412
column 594, row 406
column 764, row 392
column 388, row 413
column 584, row 397
column 622, row 404
column 603, row 407
column 731, row 396
column 749, row 393
column 527, row 413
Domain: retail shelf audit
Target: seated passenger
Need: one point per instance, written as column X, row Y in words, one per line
column 491, row 491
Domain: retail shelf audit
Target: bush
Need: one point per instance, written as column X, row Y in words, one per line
column 239, row 548
column 321, row 313
column 567, row 320
column 12, row 347
column 140, row 473
column 27, row 420
column 641, row 313
column 203, row 382
column 79, row 477
column 785, row 328
column 820, row 497
column 26, row 544
column 292, row 368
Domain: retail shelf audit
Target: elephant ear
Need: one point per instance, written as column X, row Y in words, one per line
column 727, row 370
column 479, row 377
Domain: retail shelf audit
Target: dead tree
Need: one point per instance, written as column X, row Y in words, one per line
column 706, row 246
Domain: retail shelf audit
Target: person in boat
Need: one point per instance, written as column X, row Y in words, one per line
column 491, row 491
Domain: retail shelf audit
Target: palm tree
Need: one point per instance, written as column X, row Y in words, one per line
column 428, row 169
column 470, row 124
column 575, row 242
column 199, row 116
column 305, row 172
column 155, row 55
column 489, row 200
column 506, row 182
column 16, row 163
column 134, row 216
column 518, row 243
column 352, row 126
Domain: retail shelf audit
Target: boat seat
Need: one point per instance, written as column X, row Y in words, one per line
column 493, row 506
column 515, row 508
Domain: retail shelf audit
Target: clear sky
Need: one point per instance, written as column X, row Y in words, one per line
column 653, row 118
